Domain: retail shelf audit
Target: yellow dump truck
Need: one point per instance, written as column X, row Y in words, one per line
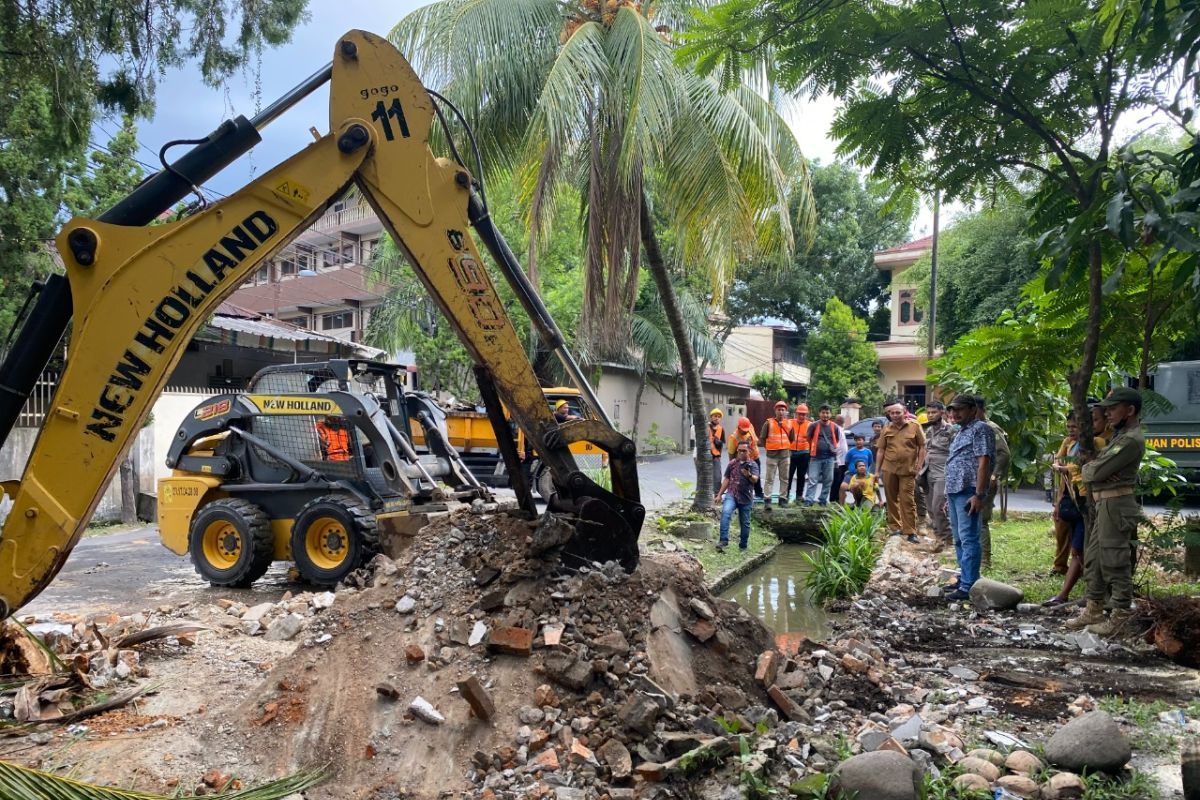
column 471, row 434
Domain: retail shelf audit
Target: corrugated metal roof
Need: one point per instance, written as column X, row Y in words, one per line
column 281, row 330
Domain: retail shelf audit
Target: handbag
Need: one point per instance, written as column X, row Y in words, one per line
column 1068, row 508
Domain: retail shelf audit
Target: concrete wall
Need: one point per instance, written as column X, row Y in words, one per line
column 169, row 412
column 15, row 453
column 618, row 388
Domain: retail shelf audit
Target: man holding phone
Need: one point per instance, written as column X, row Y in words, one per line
column 737, row 490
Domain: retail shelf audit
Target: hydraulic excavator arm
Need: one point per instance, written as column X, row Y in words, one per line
column 139, row 293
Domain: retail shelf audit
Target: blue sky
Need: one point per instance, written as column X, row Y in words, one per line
column 188, row 109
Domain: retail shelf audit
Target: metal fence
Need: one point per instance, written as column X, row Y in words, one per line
column 38, row 404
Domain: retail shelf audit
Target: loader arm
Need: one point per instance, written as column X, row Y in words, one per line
column 139, row 293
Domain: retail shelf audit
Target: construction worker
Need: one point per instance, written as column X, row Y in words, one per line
column 777, row 437
column 562, row 412
column 798, row 469
column 334, row 439
column 999, row 473
column 716, row 442
column 745, row 433
column 1108, row 545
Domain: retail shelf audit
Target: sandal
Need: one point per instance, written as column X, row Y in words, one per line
column 1055, row 601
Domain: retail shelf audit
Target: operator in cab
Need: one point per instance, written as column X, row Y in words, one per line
column 562, row 412
column 334, row 438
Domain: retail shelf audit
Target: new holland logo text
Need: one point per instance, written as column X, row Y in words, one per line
column 171, row 315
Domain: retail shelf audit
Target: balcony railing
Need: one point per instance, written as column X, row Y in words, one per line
column 336, row 220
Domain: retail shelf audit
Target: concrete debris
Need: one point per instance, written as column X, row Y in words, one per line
column 422, row 709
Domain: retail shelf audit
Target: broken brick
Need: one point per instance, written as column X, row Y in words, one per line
column 702, row 629
column 854, row 664
column 514, row 641
column 651, row 771
column 477, row 697
column 545, row 695
column 580, row 753
column 785, row 704
column 767, row 668
column 414, row 654
column 547, row 760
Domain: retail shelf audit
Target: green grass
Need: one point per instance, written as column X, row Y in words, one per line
column 1023, row 553
column 714, row 562
column 1150, row 734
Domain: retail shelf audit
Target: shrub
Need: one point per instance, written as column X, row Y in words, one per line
column 842, row 565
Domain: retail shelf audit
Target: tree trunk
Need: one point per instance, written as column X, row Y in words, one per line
column 637, row 404
column 1147, row 336
column 687, row 360
column 128, row 489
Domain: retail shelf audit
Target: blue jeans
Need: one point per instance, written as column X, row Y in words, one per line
column 820, row 480
column 965, row 527
column 727, row 508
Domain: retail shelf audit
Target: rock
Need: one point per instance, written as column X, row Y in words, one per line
column 617, row 757
column 406, row 604
column 964, row 673
column 939, row 740
column 252, row 627
column 909, row 730
column 322, row 600
column 552, row 634
column 990, row 595
column 545, row 695
column 651, row 771
column 702, row 629
column 477, row 697
column 977, row 766
column 547, row 760
column 786, row 705
column 1020, row 785
column 422, row 709
column 413, row 654
column 284, row 628
column 882, row 775
column 970, row 782
column 567, row 670
column 512, row 641
column 702, row 609
column 486, row 575
column 256, row 613
column 639, row 714
column 530, row 715
column 478, row 633
column 1091, row 742
column 1063, row 786
column 853, row 663
column 579, row 753
column 992, row 756
column 460, row 631
column 388, row 691
column 1024, row 762
column 492, row 600
column 612, row 643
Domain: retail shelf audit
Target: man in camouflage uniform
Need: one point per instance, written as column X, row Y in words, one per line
column 939, row 433
column 1108, row 552
column 999, row 473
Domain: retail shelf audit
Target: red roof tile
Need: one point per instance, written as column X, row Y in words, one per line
column 924, row 243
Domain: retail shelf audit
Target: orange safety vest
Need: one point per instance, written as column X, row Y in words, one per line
column 716, row 440
column 737, row 439
column 814, row 435
column 335, row 442
column 801, row 429
column 777, row 435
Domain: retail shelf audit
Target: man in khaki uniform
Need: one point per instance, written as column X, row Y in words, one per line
column 938, row 436
column 1108, row 554
column 999, row 473
column 901, row 452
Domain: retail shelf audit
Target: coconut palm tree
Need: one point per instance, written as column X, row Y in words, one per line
column 587, row 93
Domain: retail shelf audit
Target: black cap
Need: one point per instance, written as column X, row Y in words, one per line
column 1122, row 394
column 963, row 401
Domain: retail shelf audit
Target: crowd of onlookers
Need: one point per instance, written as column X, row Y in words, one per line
column 937, row 472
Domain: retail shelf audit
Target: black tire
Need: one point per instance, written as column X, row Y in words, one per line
column 545, row 484
column 333, row 536
column 230, row 542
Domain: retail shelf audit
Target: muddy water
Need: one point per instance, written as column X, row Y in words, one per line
column 775, row 593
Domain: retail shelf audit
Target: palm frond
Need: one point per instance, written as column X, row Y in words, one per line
column 23, row 783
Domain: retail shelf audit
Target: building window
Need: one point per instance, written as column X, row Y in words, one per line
column 263, row 275
column 336, row 320
column 909, row 313
column 299, row 322
column 905, row 312
column 287, row 266
column 369, row 246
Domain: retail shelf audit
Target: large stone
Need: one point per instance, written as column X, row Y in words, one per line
column 639, row 714
column 1023, row 762
column 567, row 670
column 612, row 643
column 970, row 782
column 977, row 766
column 882, row 775
column 994, row 756
column 990, row 595
column 284, row 628
column 1091, row 742
column 1021, row 786
column 617, row 757
column 1063, row 786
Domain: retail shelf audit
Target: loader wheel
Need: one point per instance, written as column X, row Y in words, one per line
column 545, row 484
column 230, row 542
column 333, row 536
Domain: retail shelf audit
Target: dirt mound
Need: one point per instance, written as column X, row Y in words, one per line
column 585, row 677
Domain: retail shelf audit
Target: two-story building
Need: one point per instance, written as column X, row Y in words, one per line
column 904, row 355
column 767, row 348
column 320, row 281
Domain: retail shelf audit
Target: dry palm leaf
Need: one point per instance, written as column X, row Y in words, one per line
column 22, row 783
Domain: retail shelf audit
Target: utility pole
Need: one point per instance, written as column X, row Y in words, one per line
column 933, row 259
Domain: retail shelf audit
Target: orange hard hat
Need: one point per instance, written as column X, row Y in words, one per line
column 802, row 408
column 744, row 424
column 781, row 404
